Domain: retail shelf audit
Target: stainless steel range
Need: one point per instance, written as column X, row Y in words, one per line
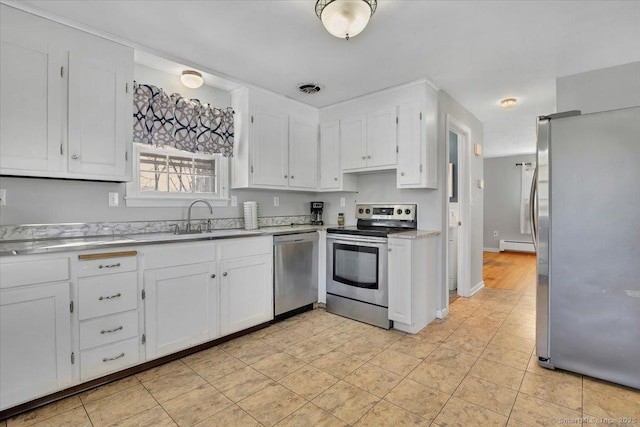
column 357, row 283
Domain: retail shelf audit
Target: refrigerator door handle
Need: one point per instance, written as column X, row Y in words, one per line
column 532, row 210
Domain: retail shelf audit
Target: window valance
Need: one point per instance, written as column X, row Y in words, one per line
column 186, row 124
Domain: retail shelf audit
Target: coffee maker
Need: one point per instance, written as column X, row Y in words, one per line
column 316, row 213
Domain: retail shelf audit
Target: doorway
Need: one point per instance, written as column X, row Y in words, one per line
column 458, row 209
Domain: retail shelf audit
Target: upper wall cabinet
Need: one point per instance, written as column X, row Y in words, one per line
column 276, row 142
column 392, row 129
column 66, row 101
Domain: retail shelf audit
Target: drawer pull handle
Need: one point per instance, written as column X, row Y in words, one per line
column 118, row 295
column 109, row 265
column 109, row 359
column 108, row 331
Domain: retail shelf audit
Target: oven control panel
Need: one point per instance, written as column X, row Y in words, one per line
column 403, row 212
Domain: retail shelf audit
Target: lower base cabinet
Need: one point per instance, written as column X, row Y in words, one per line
column 180, row 307
column 35, row 342
column 246, row 293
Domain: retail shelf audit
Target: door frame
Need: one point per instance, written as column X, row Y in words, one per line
column 464, row 206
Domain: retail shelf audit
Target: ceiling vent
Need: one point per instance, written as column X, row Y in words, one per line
column 309, row 88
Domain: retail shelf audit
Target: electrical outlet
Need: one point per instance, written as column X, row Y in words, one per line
column 234, row 200
column 276, row 201
column 114, row 199
column 3, row 197
column 495, row 233
column 343, row 202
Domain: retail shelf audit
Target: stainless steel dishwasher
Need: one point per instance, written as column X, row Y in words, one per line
column 295, row 270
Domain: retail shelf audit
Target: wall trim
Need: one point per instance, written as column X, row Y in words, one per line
column 441, row 313
column 477, row 287
column 491, row 249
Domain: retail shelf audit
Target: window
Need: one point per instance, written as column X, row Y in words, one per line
column 169, row 177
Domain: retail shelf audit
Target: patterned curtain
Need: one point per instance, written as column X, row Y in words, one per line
column 186, row 124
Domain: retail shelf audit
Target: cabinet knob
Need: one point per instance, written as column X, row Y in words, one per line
column 364, row 157
column 75, row 156
column 389, row 250
column 401, row 173
column 335, row 178
column 224, row 274
column 213, row 276
column 368, row 157
column 285, row 176
column 291, row 176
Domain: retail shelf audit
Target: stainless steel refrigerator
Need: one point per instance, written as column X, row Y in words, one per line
column 586, row 199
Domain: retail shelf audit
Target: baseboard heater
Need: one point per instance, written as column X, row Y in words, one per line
column 515, row 245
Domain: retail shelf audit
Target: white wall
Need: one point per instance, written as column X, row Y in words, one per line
column 600, row 90
column 502, row 191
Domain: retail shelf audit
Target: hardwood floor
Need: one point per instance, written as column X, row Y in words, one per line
column 513, row 271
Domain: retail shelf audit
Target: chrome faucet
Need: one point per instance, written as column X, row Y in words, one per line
column 188, row 230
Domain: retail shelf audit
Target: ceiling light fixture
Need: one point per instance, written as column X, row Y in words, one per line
column 345, row 18
column 191, row 79
column 508, row 102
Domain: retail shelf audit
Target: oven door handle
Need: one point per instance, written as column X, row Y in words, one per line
column 355, row 239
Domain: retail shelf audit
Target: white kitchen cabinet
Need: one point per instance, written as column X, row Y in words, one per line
column 66, row 101
column 330, row 174
column 303, row 157
column 381, row 137
column 276, row 142
column 417, row 145
column 35, row 342
column 246, row 292
column 246, row 283
column 269, row 132
column 412, row 282
column 353, row 142
column 180, row 307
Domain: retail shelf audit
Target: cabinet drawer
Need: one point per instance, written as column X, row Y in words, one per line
column 110, row 358
column 33, row 272
column 108, row 294
column 106, row 330
column 245, row 247
column 107, row 263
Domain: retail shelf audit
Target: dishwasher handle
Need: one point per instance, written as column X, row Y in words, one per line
column 295, row 238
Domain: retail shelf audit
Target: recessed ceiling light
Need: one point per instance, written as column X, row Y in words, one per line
column 191, row 79
column 309, row 88
column 508, row 102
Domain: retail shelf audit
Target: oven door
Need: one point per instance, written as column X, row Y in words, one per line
column 357, row 268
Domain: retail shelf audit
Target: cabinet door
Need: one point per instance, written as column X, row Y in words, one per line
column 98, row 119
column 32, row 98
column 330, row 156
column 246, row 293
column 410, row 147
column 400, row 280
column 35, row 342
column 270, row 142
column 381, row 137
column 303, row 154
column 353, row 142
column 180, row 307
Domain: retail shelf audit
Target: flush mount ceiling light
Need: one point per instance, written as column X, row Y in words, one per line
column 508, row 102
column 345, row 18
column 191, row 79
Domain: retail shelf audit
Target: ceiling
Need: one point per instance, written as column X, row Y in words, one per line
column 477, row 51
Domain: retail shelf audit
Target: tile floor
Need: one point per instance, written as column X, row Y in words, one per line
column 475, row 368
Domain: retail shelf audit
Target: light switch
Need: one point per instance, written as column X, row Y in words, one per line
column 114, row 199
column 343, row 202
column 276, row 201
column 477, row 149
column 481, row 183
column 234, row 200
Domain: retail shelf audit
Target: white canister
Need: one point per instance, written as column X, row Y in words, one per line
column 250, row 215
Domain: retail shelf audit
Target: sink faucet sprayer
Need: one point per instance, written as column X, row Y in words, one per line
column 189, row 212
